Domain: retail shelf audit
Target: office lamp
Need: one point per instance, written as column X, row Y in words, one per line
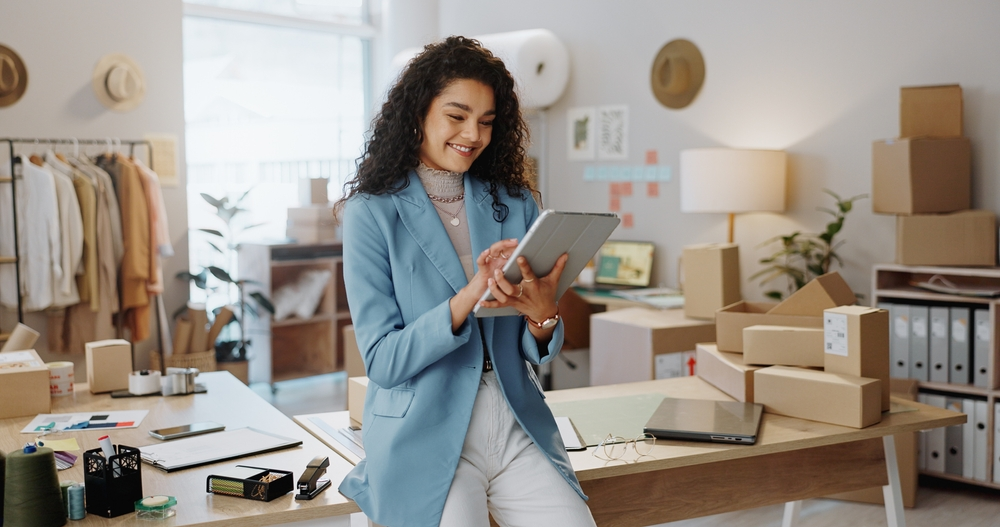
column 731, row 181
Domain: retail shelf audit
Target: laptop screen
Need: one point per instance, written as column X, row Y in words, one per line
column 625, row 263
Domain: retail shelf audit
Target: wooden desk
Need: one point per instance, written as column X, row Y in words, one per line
column 793, row 459
column 229, row 402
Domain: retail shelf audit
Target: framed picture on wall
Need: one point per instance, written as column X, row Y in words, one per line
column 580, row 133
column 612, row 135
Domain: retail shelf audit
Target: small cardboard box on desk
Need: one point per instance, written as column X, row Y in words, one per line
column 357, row 387
column 845, row 400
column 711, row 278
column 24, row 384
column 727, row 372
column 856, row 342
column 783, row 346
column 635, row 344
column 109, row 363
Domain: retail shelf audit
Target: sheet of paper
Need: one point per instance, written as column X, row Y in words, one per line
column 59, row 445
column 569, row 435
column 93, row 421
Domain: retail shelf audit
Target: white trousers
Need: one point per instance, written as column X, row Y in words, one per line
column 503, row 473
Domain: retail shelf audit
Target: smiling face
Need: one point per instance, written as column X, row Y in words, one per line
column 458, row 126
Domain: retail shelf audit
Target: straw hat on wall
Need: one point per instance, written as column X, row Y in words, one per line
column 118, row 82
column 678, row 73
column 13, row 77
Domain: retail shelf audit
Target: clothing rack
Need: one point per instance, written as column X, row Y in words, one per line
column 16, row 174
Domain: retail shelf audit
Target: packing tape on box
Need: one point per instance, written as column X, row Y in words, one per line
column 144, row 382
column 60, row 377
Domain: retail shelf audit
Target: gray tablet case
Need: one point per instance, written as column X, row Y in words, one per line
column 580, row 234
column 705, row 420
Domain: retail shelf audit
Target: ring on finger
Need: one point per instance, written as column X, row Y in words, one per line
column 520, row 291
column 489, row 257
column 502, row 255
column 528, row 280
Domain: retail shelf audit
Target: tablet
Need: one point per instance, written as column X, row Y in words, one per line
column 580, row 234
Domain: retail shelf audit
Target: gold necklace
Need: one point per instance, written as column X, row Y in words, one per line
column 454, row 217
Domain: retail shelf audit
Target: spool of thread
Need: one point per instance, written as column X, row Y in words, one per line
column 64, row 490
column 31, row 495
column 77, row 509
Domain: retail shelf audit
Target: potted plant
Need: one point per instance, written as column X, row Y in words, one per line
column 804, row 256
column 221, row 287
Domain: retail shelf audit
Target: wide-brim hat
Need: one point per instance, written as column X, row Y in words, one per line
column 678, row 73
column 118, row 82
column 13, row 77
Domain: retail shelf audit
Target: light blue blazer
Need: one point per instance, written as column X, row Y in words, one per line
column 400, row 270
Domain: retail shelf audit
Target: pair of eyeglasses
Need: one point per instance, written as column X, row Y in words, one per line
column 615, row 447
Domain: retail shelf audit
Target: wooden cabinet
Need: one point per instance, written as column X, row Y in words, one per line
column 931, row 314
column 295, row 347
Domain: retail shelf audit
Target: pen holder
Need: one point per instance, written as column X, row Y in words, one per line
column 113, row 484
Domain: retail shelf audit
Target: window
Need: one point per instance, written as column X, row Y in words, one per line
column 274, row 92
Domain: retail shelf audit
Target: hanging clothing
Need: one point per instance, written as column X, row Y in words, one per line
column 66, row 293
column 159, row 232
column 135, row 269
column 43, row 254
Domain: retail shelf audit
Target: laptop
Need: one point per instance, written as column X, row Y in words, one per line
column 623, row 265
column 705, row 420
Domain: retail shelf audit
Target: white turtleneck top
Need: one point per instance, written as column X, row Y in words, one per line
column 445, row 184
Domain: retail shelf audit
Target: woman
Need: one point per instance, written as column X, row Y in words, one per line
column 454, row 421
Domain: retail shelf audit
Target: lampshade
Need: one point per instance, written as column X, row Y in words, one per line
column 730, row 180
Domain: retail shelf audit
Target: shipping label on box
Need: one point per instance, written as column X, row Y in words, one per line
column 962, row 238
column 917, row 176
column 727, row 372
column 783, row 345
column 930, row 111
column 731, row 320
column 24, row 384
column 840, row 399
column 823, row 292
column 711, row 278
column 856, row 342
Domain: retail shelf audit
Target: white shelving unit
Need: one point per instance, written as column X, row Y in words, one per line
column 891, row 283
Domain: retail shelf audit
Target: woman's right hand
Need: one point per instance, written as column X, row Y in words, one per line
column 488, row 261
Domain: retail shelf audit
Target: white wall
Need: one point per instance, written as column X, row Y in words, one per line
column 60, row 41
column 817, row 79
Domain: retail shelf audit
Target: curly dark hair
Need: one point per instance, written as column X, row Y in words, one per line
column 396, row 133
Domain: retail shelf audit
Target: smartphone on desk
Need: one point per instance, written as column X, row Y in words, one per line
column 175, row 432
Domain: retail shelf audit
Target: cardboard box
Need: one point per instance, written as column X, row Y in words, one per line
column 856, row 342
column 930, row 111
column 727, row 372
column 357, row 387
column 109, row 363
column 822, row 292
column 353, row 362
column 916, row 176
column 961, row 238
column 730, row 321
column 312, row 215
column 906, row 457
column 711, row 278
column 835, row 398
column 783, row 346
column 24, row 384
column 312, row 191
column 313, row 234
column 624, row 343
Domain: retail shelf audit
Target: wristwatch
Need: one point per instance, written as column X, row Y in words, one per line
column 548, row 323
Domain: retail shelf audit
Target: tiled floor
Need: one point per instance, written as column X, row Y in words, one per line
column 939, row 503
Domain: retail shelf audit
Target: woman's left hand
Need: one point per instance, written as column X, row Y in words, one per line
column 534, row 297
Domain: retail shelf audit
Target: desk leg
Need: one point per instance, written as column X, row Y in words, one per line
column 891, row 493
column 791, row 518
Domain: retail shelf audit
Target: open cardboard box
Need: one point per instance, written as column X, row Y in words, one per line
column 823, row 292
column 730, row 321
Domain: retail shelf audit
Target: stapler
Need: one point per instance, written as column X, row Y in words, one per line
column 310, row 484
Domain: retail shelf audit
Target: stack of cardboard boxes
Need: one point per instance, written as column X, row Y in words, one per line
column 814, row 356
column 313, row 221
column 924, row 178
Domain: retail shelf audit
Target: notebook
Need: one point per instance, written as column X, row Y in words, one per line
column 623, row 265
column 705, row 420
